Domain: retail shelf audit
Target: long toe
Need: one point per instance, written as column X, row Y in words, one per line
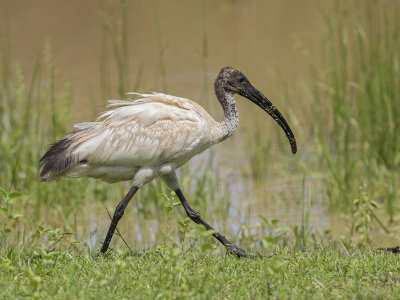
column 240, row 252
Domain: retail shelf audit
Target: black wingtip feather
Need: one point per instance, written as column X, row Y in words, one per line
column 57, row 160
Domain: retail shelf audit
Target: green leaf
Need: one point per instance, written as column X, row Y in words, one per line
column 166, row 204
column 14, row 195
column 269, row 239
column 5, row 209
column 282, row 229
column 185, row 222
column 163, row 195
column 274, row 221
column 176, row 203
column 268, row 222
column 6, row 230
column 3, row 193
column 15, row 216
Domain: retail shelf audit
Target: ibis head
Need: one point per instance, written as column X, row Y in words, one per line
column 232, row 81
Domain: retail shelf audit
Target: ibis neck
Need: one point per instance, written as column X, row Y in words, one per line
column 231, row 115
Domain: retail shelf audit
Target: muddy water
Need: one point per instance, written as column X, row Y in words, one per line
column 259, row 37
column 265, row 39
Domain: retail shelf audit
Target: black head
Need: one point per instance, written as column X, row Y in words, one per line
column 233, row 81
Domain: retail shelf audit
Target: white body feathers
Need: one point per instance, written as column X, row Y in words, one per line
column 137, row 140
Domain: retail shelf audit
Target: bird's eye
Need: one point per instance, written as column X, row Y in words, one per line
column 230, row 82
column 241, row 79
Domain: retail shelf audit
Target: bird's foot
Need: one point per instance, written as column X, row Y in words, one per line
column 102, row 253
column 233, row 249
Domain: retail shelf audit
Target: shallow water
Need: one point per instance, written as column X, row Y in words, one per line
column 261, row 38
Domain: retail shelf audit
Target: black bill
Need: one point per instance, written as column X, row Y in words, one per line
column 251, row 93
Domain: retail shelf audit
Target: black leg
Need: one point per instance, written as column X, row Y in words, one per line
column 119, row 212
column 195, row 216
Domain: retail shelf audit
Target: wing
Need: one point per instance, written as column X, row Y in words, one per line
column 147, row 132
column 150, row 131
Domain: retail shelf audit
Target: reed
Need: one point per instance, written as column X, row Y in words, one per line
column 358, row 138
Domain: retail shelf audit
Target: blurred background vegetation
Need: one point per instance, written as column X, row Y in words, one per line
column 332, row 68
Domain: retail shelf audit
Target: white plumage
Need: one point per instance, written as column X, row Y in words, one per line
column 157, row 133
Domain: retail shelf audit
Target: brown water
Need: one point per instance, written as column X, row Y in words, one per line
column 258, row 37
column 190, row 41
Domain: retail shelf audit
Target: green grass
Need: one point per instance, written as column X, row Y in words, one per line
column 165, row 274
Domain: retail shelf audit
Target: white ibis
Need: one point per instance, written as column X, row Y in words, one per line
column 151, row 137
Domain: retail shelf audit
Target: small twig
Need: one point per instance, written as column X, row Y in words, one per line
column 379, row 222
column 119, row 233
column 344, row 247
column 50, row 247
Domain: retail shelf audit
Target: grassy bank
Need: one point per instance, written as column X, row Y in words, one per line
column 165, row 274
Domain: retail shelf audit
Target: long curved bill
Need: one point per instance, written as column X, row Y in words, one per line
column 251, row 93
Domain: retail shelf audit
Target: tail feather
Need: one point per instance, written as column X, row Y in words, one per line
column 58, row 159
